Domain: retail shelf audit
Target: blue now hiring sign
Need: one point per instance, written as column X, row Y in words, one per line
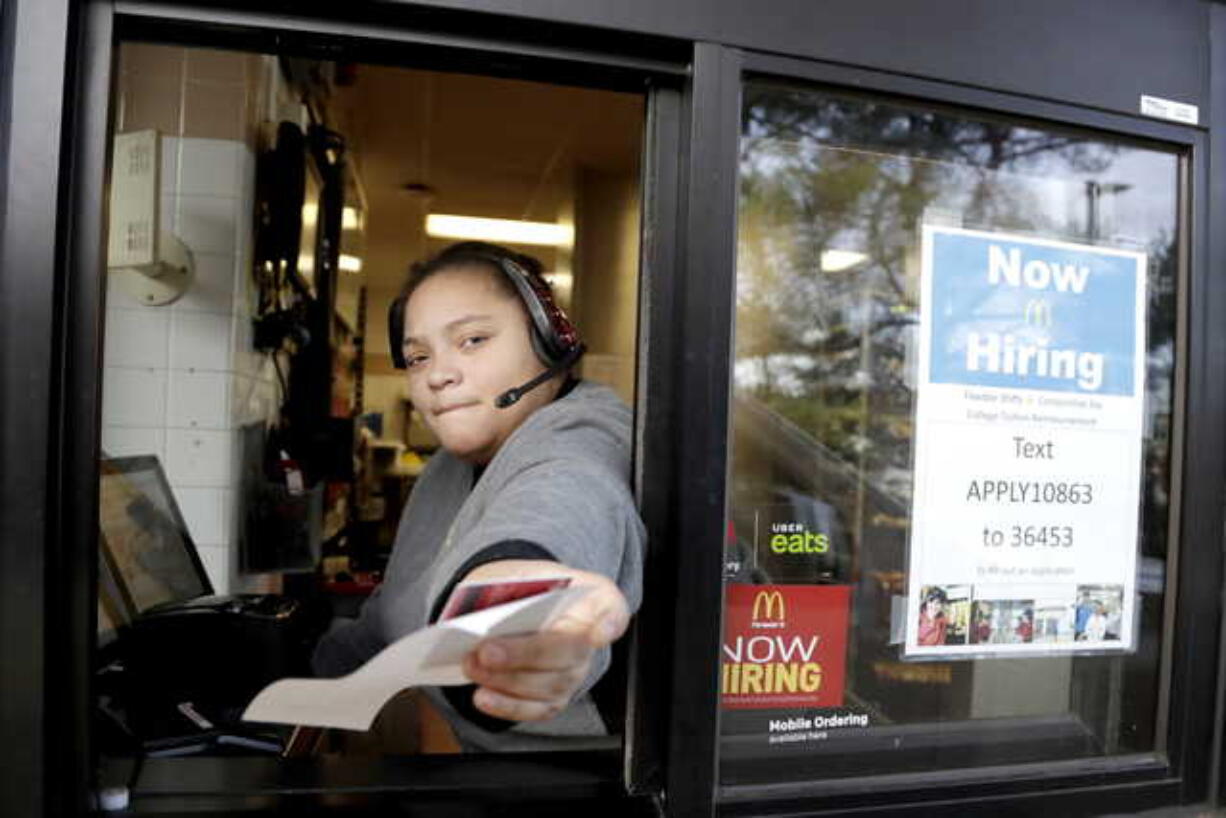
column 1020, row 313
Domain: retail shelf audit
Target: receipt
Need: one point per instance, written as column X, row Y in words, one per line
column 430, row 656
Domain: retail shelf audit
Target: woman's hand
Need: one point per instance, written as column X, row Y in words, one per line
column 533, row 677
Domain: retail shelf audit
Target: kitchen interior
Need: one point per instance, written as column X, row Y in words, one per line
column 257, row 443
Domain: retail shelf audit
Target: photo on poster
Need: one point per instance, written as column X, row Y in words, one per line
column 1053, row 621
column 1010, row 622
column 1099, row 613
column 944, row 617
column 982, row 621
column 996, row 615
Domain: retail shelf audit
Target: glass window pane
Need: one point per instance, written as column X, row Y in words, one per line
column 851, row 210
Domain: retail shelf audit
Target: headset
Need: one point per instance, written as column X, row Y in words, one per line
column 554, row 338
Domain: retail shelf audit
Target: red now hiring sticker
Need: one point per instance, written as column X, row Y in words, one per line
column 784, row 646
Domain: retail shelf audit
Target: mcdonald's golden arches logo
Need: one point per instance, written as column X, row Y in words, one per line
column 768, row 606
column 1038, row 312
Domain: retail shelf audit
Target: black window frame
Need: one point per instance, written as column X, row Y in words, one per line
column 477, row 44
column 51, row 217
column 1190, row 679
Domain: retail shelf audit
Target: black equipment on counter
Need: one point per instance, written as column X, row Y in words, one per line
column 184, row 662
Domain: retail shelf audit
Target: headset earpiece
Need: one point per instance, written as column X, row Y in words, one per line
column 554, row 337
column 395, row 331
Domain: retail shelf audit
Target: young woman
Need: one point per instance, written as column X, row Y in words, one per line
column 932, row 620
column 532, row 479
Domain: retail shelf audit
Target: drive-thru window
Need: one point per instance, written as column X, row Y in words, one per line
column 913, row 336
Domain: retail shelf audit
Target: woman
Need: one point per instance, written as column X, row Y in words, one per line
column 932, row 621
column 1096, row 626
column 532, row 479
column 982, row 632
column 1025, row 626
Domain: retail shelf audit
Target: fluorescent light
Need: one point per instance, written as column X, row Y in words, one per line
column 351, row 264
column 508, row 231
column 836, row 261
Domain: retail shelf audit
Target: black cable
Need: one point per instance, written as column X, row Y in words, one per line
column 276, row 364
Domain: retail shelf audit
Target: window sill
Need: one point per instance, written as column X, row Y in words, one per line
column 537, row 783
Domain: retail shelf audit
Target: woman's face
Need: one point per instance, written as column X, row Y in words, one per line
column 466, row 342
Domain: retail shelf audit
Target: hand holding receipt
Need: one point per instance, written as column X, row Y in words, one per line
column 429, row 656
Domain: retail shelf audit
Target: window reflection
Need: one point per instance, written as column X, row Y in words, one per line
column 833, row 194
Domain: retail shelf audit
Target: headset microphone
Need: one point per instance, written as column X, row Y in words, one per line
column 511, row 396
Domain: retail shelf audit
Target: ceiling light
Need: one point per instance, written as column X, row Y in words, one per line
column 836, row 261
column 508, row 231
column 351, row 264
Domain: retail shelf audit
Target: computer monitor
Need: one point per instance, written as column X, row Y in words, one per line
column 149, row 553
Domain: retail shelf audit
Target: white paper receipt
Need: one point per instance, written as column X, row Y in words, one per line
column 430, row 656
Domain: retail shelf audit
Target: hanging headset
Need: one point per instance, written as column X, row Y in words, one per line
column 554, row 338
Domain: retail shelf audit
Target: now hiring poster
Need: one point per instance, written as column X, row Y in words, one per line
column 1028, row 427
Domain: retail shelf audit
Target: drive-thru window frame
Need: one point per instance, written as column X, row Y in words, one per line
column 51, row 295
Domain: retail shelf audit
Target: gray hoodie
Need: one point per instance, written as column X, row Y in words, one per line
column 560, row 482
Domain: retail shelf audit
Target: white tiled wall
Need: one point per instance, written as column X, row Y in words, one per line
column 212, row 288
column 181, row 379
column 196, row 458
column 138, row 339
column 207, row 224
column 207, row 512
column 200, row 340
column 134, row 397
column 218, row 563
column 209, row 167
column 198, row 399
column 126, row 441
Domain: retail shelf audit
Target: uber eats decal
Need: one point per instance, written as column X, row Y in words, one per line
column 796, row 541
column 1027, row 446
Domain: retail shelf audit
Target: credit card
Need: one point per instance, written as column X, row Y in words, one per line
column 469, row 597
